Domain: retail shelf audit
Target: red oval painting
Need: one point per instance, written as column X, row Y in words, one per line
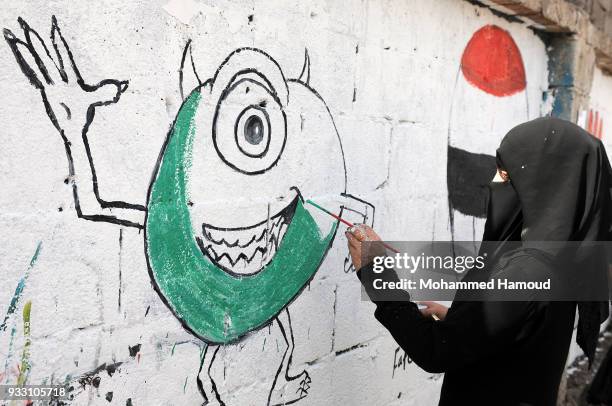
column 492, row 62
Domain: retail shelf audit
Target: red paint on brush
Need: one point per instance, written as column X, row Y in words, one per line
column 492, row 62
column 348, row 223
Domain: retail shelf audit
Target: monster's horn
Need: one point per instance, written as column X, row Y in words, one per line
column 305, row 75
column 188, row 77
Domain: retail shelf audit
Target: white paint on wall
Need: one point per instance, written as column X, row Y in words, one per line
column 386, row 70
column 183, row 10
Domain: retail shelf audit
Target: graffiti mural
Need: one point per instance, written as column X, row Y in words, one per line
column 491, row 79
column 228, row 240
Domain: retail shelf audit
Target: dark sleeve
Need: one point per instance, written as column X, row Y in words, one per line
column 470, row 331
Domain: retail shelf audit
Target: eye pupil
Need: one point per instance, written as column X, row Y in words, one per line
column 253, row 130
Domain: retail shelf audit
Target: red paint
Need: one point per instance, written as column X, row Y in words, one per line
column 595, row 124
column 492, row 62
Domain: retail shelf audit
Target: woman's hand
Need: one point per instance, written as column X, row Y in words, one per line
column 434, row 309
column 355, row 236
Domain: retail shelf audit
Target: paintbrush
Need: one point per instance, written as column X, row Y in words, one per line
column 348, row 223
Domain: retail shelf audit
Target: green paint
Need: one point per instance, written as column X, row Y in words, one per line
column 185, row 384
column 24, row 369
column 215, row 305
column 173, row 347
column 9, row 353
column 319, row 207
column 20, row 287
column 13, row 306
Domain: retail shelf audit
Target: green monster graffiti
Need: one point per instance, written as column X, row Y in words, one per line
column 228, row 240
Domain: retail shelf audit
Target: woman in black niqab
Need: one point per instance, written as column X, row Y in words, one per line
column 514, row 352
column 563, row 179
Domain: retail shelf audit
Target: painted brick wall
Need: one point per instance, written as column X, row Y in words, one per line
column 389, row 73
column 596, row 119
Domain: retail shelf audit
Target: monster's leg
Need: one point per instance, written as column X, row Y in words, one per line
column 291, row 388
column 206, row 383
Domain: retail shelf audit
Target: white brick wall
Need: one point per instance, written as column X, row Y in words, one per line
column 394, row 133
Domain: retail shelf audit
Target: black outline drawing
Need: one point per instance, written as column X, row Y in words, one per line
column 281, row 218
column 32, row 42
column 226, row 91
column 46, row 72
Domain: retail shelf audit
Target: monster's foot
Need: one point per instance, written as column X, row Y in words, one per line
column 212, row 402
column 209, row 394
column 291, row 389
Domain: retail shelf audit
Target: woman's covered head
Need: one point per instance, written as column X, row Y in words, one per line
column 561, row 175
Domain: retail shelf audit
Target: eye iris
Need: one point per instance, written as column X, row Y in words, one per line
column 253, row 130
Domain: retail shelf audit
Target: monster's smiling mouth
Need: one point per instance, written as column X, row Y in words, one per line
column 246, row 250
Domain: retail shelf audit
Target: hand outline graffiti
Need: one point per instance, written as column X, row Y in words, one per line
column 212, row 274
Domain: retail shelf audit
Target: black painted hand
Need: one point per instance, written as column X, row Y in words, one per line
column 69, row 101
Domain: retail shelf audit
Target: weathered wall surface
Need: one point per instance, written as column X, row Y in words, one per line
column 378, row 110
column 599, row 115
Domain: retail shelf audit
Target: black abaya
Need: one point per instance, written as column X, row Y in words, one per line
column 514, row 353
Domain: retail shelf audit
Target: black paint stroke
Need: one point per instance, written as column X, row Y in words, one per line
column 250, row 49
column 120, row 269
column 305, row 382
column 62, row 63
column 93, row 377
column 284, row 216
column 367, row 204
column 305, row 74
column 266, row 85
column 366, row 219
column 468, row 177
column 187, row 50
column 199, row 382
column 318, row 96
column 134, row 349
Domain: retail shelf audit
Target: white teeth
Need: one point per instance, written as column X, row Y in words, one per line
column 224, row 261
column 248, row 250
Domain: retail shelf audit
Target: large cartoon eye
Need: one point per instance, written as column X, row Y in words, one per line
column 249, row 129
column 252, row 131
